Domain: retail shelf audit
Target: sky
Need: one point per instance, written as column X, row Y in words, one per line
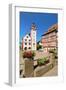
column 43, row 22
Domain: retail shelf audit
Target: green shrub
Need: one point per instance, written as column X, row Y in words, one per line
column 33, row 54
column 51, row 51
column 39, row 46
column 42, row 61
column 54, row 51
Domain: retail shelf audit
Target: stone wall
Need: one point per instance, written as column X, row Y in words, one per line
column 28, row 68
column 42, row 69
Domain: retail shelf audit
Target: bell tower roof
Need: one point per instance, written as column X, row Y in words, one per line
column 33, row 26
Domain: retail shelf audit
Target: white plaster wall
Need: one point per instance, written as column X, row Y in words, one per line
column 33, row 38
column 27, row 41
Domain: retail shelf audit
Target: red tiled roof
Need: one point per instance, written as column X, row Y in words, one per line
column 52, row 28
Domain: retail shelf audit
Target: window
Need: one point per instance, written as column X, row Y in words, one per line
column 29, row 47
column 29, row 40
column 27, row 36
column 25, row 48
column 25, row 39
column 29, row 43
column 25, row 43
column 33, row 43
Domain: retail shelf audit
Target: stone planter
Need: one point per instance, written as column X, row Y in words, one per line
column 40, row 71
column 28, row 67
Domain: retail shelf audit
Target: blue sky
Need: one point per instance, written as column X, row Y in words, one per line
column 42, row 21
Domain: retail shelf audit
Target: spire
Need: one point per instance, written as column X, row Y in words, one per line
column 33, row 27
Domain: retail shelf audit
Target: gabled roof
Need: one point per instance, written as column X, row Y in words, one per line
column 26, row 36
column 52, row 29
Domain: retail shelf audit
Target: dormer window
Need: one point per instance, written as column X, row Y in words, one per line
column 27, row 36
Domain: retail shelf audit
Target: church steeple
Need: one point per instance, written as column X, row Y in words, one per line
column 33, row 27
column 33, row 36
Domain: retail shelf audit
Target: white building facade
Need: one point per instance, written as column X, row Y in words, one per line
column 29, row 40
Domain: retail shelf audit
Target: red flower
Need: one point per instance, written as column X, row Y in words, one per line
column 28, row 54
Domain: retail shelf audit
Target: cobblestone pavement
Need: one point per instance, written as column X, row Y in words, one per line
column 52, row 72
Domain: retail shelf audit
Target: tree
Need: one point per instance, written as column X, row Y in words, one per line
column 39, row 46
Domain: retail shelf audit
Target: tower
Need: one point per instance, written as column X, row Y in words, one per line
column 33, row 36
